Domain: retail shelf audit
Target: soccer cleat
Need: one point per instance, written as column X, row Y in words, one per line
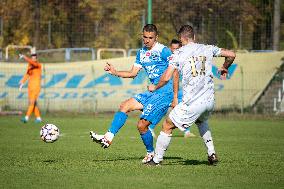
column 100, row 139
column 38, row 120
column 213, row 159
column 149, row 156
column 152, row 163
column 24, row 120
column 189, row 134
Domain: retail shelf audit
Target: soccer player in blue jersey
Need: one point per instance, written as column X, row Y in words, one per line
column 154, row 59
column 174, row 45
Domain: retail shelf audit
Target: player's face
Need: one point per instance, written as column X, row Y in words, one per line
column 182, row 40
column 149, row 39
column 34, row 58
column 185, row 41
column 174, row 47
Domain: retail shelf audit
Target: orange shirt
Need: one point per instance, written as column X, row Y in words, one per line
column 33, row 74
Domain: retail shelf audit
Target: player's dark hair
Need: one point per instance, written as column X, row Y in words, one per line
column 150, row 28
column 175, row 41
column 186, row 31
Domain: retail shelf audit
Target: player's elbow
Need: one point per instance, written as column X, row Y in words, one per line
column 228, row 54
column 233, row 55
column 132, row 75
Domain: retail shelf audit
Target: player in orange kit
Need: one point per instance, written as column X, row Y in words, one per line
column 33, row 74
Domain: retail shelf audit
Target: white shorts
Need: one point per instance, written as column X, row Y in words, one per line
column 183, row 115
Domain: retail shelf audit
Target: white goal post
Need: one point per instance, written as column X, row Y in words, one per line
column 18, row 47
column 123, row 51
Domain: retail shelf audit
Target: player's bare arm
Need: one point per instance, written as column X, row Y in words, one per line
column 229, row 59
column 31, row 61
column 22, row 82
column 167, row 75
column 124, row 74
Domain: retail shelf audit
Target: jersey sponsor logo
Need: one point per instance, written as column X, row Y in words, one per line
column 147, row 57
column 144, row 58
column 152, row 71
column 156, row 56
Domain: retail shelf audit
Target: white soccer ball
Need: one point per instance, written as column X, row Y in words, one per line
column 49, row 133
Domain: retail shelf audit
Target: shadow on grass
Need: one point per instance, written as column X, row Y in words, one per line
column 181, row 161
column 178, row 136
column 194, row 162
column 172, row 158
column 168, row 161
column 132, row 158
column 50, row 161
column 118, row 159
column 182, row 136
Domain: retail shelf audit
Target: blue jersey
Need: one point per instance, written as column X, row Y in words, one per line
column 155, row 62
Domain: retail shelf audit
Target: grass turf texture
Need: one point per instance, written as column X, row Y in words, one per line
column 250, row 152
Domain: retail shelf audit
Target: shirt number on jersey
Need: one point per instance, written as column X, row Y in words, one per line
column 192, row 60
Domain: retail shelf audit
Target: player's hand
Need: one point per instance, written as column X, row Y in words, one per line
column 109, row 68
column 21, row 56
column 151, row 87
column 174, row 102
column 21, row 86
column 223, row 73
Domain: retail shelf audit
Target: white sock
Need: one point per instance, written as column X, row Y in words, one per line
column 109, row 136
column 205, row 133
column 38, row 118
column 26, row 117
column 163, row 141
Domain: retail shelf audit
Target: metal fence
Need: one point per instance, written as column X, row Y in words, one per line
column 238, row 24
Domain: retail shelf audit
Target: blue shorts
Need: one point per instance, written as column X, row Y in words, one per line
column 155, row 105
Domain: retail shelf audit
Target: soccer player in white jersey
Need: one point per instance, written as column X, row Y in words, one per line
column 154, row 59
column 174, row 45
column 194, row 62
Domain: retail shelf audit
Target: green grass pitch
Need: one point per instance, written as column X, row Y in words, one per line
column 251, row 153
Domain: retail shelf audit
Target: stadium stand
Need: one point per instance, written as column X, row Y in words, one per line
column 253, row 75
column 272, row 96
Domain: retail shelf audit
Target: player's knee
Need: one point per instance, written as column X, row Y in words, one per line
column 31, row 102
column 168, row 126
column 124, row 107
column 142, row 126
column 169, row 123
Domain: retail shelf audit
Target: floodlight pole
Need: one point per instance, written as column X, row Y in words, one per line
column 1, row 26
column 49, row 33
column 149, row 12
column 143, row 20
column 276, row 24
column 242, row 90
